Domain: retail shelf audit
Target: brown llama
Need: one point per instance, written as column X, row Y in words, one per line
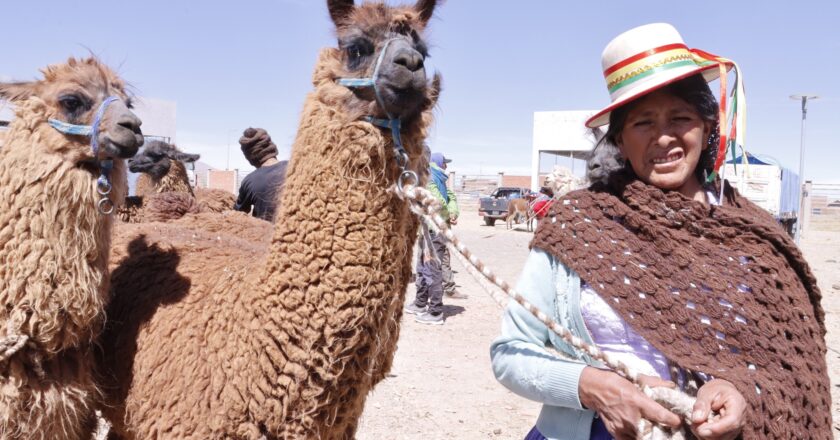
column 161, row 168
column 211, row 336
column 55, row 241
column 162, row 171
column 517, row 208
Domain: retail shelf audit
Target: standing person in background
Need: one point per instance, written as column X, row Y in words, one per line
column 543, row 202
column 439, row 188
column 261, row 189
column 433, row 263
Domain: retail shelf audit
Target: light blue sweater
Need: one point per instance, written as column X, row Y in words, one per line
column 520, row 360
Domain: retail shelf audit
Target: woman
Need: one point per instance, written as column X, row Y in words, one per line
column 682, row 279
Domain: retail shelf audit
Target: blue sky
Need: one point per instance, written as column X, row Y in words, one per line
column 230, row 65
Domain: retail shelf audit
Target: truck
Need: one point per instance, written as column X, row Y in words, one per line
column 768, row 185
column 495, row 206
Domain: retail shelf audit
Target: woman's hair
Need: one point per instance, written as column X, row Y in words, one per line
column 606, row 160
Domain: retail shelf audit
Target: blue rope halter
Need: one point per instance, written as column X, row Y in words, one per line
column 103, row 183
column 392, row 123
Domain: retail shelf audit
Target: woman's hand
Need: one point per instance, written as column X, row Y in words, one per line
column 620, row 404
column 723, row 398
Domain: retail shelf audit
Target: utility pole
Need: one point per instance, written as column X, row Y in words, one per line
column 802, row 194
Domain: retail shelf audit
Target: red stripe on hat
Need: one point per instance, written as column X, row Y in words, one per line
column 644, row 54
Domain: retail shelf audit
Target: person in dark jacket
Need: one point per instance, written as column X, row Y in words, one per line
column 261, row 189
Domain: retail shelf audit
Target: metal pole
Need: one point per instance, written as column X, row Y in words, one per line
column 801, row 216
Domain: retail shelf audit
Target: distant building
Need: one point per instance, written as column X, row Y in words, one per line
column 7, row 113
column 159, row 119
column 227, row 180
column 560, row 136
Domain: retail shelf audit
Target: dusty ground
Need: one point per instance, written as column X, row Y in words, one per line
column 441, row 385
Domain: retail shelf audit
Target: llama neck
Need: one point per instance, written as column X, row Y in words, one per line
column 175, row 180
column 334, row 283
column 54, row 243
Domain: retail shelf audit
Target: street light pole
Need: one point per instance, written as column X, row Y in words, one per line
column 804, row 99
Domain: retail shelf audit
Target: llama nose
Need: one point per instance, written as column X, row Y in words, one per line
column 131, row 122
column 410, row 59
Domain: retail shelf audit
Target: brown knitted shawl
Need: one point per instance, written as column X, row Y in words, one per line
column 720, row 290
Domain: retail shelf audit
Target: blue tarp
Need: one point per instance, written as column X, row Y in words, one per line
column 752, row 160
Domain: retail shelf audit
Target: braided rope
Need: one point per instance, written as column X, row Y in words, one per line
column 10, row 345
column 425, row 205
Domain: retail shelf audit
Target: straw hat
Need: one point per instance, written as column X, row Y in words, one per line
column 647, row 58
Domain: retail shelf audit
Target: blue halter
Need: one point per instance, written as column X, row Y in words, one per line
column 103, row 183
column 392, row 123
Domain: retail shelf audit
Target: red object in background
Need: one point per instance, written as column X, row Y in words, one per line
column 541, row 207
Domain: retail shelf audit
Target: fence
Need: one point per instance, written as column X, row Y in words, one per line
column 477, row 184
column 822, row 207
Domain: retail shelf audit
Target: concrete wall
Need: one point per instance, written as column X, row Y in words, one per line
column 559, row 132
column 159, row 118
column 223, row 179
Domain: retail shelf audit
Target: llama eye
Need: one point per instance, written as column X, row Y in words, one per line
column 71, row 103
column 354, row 52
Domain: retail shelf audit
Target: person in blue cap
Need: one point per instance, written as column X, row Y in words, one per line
column 433, row 270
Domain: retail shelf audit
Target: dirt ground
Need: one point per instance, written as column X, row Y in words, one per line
column 441, row 385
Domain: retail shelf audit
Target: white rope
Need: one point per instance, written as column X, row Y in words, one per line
column 425, row 205
column 10, row 345
column 13, row 342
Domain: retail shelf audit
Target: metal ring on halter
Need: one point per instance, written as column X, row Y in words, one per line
column 407, row 177
column 106, row 206
column 103, row 186
column 402, row 159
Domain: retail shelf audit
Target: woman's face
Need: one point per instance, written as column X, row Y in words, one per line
column 662, row 138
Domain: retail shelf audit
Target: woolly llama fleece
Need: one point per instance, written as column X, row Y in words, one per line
column 212, row 336
column 54, row 244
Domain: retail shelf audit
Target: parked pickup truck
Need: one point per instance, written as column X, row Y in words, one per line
column 495, row 206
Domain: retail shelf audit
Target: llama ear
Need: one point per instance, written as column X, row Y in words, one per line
column 183, row 157
column 340, row 10
column 426, row 8
column 17, row 91
column 435, row 88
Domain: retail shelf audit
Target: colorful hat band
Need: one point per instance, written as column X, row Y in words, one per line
column 653, row 61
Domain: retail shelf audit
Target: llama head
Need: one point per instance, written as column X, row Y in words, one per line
column 73, row 93
column 373, row 31
column 156, row 159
